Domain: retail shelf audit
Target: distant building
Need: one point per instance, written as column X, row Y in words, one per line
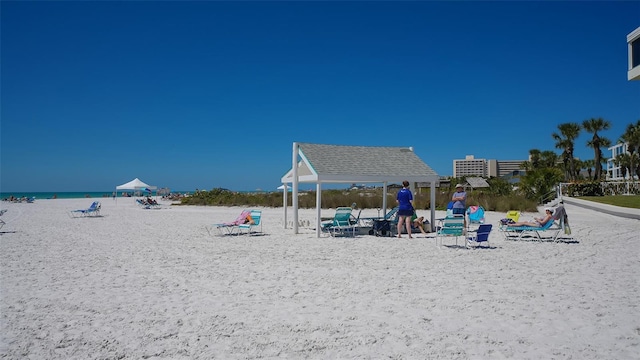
column 501, row 168
column 514, row 177
column 633, row 42
column 614, row 172
column 471, row 166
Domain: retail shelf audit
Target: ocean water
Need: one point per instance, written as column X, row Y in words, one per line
column 69, row 195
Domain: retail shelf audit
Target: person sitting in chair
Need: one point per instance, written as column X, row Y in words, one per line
column 418, row 222
column 537, row 222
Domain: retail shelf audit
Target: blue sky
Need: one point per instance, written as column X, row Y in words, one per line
column 203, row 94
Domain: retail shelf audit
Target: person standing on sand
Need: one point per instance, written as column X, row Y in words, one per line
column 459, row 199
column 405, row 208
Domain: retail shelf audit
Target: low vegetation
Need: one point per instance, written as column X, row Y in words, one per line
column 499, row 197
column 364, row 199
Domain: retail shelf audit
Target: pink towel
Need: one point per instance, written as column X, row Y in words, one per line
column 240, row 219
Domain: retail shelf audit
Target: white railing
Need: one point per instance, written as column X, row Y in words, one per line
column 550, row 196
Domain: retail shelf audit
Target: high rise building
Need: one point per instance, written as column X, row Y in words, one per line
column 471, row 166
column 633, row 42
column 614, row 172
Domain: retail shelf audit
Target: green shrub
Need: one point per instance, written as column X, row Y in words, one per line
column 364, row 199
column 585, row 189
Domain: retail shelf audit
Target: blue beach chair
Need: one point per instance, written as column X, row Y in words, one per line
column 255, row 222
column 93, row 210
column 343, row 223
column 481, row 234
column 475, row 214
column 450, row 226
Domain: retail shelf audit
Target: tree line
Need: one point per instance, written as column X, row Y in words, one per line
column 545, row 169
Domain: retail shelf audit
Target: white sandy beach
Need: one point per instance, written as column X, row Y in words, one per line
column 154, row 284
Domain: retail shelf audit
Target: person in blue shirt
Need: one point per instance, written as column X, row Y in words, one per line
column 405, row 208
column 459, row 199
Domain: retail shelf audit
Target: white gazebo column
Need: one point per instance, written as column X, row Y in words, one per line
column 432, row 198
column 318, row 209
column 284, row 203
column 295, row 187
column 384, row 198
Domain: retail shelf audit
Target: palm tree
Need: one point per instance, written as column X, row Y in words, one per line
column 540, row 159
column 565, row 140
column 542, row 173
column 632, row 137
column 634, row 159
column 534, row 159
column 603, row 164
column 623, row 160
column 580, row 165
column 589, row 164
column 548, row 159
column 592, row 126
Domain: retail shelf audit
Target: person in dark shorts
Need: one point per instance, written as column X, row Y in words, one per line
column 405, row 208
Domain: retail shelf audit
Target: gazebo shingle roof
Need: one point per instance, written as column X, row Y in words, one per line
column 340, row 163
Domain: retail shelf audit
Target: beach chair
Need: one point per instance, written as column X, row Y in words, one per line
column 343, row 223
column 2, row 223
column 230, row 228
column 93, row 210
column 475, row 214
column 481, row 234
column 550, row 231
column 524, row 232
column 450, row 226
column 252, row 221
column 512, row 217
column 143, row 203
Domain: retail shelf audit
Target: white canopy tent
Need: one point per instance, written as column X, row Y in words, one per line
column 135, row 184
column 321, row 164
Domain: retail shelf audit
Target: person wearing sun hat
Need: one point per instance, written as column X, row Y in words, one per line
column 537, row 222
column 459, row 199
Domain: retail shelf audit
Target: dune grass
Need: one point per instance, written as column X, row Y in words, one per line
column 363, row 199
